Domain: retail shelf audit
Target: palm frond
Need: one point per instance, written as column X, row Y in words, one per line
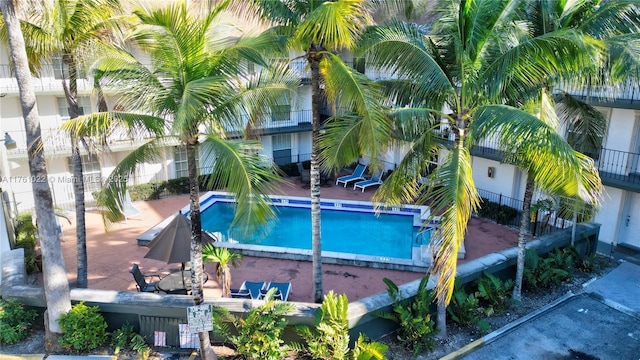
column 110, row 199
column 334, row 25
column 452, row 198
column 249, row 177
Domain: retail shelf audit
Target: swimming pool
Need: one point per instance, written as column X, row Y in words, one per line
column 352, row 233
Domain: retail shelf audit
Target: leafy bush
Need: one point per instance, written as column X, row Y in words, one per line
column 83, row 328
column 148, row 191
column 15, row 321
column 258, row 334
column 502, row 214
column 416, row 329
column 26, row 238
column 330, row 339
column 493, row 293
column 126, row 339
column 547, row 272
column 290, row 169
column 464, row 307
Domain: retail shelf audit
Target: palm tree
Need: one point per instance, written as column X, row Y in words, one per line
column 191, row 92
column 319, row 30
column 56, row 285
column 223, row 257
column 586, row 124
column 68, row 30
column 458, row 75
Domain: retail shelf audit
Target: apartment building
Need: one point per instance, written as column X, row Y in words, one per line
column 285, row 136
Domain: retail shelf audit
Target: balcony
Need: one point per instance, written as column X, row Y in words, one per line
column 626, row 95
column 49, row 80
column 57, row 142
column 620, row 169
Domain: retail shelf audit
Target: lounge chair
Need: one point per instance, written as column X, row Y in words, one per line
column 305, row 176
column 356, row 175
column 128, row 210
column 240, row 294
column 253, row 287
column 284, row 288
column 375, row 180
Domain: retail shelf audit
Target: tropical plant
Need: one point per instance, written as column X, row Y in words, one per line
column 493, row 293
column 15, row 321
column 126, row 339
column 416, row 329
column 67, row 30
column 595, row 21
column 463, row 74
column 83, row 328
column 56, row 284
column 330, row 338
column 321, row 29
column 223, row 257
column 196, row 82
column 464, row 307
column 550, row 271
column 25, row 233
column 257, row 335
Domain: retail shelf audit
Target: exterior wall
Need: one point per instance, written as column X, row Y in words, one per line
column 609, row 214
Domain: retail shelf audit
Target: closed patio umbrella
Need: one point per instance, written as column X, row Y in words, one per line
column 173, row 243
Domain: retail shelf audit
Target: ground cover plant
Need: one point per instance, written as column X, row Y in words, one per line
column 84, row 328
column 15, row 321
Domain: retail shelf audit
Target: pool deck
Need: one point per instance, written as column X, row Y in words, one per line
column 111, row 253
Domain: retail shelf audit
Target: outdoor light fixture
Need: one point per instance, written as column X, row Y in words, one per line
column 9, row 143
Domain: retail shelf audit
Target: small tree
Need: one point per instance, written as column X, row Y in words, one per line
column 224, row 257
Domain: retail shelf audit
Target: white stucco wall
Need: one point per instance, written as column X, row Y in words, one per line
column 608, row 215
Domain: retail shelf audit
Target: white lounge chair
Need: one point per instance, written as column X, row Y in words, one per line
column 128, row 210
column 356, row 175
column 375, row 180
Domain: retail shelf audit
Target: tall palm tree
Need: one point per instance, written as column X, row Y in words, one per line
column 56, row 285
column 616, row 25
column 319, row 30
column 457, row 75
column 67, row 30
column 192, row 91
column 224, row 258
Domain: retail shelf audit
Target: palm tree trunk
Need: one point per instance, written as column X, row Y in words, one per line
column 56, row 285
column 442, row 320
column 78, row 178
column 316, row 241
column 226, row 282
column 206, row 351
column 522, row 240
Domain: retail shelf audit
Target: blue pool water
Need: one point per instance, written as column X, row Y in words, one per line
column 386, row 235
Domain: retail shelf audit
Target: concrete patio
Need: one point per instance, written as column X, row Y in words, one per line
column 111, row 253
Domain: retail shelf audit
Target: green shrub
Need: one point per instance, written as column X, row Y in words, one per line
column 290, row 169
column 177, row 186
column 493, row 293
column 464, row 307
column 330, row 338
column 125, row 339
column 83, row 328
column 148, row 191
column 15, row 321
column 547, row 272
column 502, row 214
column 259, row 332
column 26, row 239
column 416, row 329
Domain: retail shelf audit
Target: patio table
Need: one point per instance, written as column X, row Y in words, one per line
column 178, row 282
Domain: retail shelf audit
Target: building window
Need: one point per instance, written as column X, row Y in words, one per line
column 91, row 172
column 280, row 113
column 180, row 161
column 281, row 146
column 84, row 106
column 61, row 71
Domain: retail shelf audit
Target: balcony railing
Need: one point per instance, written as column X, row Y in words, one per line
column 628, row 92
column 56, row 141
column 49, row 80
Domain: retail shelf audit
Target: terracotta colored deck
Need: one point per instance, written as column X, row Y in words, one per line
column 111, row 254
